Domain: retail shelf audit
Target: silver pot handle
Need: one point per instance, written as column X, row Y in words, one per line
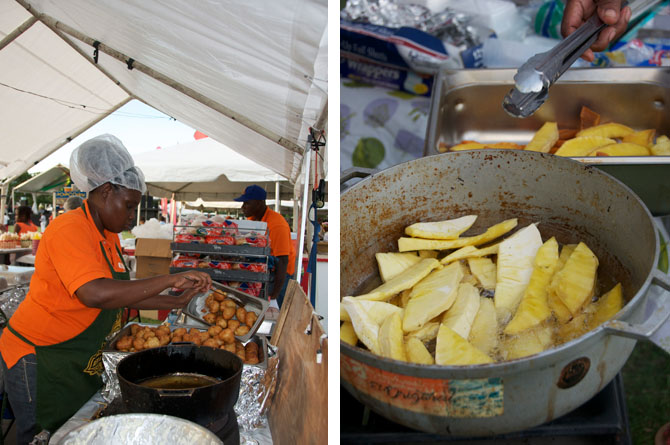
column 656, row 327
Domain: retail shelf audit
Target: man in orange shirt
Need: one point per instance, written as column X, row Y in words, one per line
column 52, row 348
column 281, row 247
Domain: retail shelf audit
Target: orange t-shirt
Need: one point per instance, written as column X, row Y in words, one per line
column 280, row 238
column 69, row 257
column 27, row 227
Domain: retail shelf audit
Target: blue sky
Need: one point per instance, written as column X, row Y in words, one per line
column 140, row 127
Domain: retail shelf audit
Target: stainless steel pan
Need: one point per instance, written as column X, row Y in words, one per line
column 569, row 200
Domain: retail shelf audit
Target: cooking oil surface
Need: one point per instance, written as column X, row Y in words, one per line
column 179, row 381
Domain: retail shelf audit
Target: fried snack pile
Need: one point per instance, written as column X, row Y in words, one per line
column 592, row 138
column 450, row 300
column 145, row 337
column 224, row 312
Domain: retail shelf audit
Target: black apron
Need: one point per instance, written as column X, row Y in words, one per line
column 69, row 373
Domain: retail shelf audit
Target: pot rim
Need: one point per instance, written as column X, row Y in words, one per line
column 544, row 358
column 236, row 373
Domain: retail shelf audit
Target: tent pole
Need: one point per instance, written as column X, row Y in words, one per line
column 3, row 193
column 173, row 212
column 17, row 31
column 303, row 218
column 277, row 197
column 139, row 66
column 54, row 212
column 139, row 211
column 296, row 207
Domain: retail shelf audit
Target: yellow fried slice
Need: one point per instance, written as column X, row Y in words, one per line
column 462, row 313
column 452, row 349
column 467, row 146
column 533, row 308
column 644, row 138
column 393, row 263
column 609, row 130
column 607, row 306
column 515, row 267
column 576, row 281
column 484, row 270
column 544, row 138
column 432, row 296
column 417, row 352
column 661, row 147
column 427, row 333
column 391, row 341
column 347, row 333
column 469, row 252
column 493, row 232
column 622, row 149
column 582, row 146
column 405, row 280
column 448, row 229
column 484, row 331
column 529, row 342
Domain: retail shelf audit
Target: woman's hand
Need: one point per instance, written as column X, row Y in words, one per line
column 579, row 11
column 192, row 280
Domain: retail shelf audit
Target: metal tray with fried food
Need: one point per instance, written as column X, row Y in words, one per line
column 466, row 106
column 185, row 334
column 203, row 310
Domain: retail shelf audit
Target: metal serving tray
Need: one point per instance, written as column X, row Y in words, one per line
column 260, row 340
column 467, row 105
column 218, row 249
column 227, row 274
column 249, row 302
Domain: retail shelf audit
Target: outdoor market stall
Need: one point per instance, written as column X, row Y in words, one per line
column 258, row 85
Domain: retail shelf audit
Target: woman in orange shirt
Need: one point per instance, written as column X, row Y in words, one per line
column 23, row 222
column 52, row 348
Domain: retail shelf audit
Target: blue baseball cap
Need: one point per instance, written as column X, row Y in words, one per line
column 251, row 193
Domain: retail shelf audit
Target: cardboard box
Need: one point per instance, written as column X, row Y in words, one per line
column 153, row 257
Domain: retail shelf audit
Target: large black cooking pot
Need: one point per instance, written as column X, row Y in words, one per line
column 203, row 405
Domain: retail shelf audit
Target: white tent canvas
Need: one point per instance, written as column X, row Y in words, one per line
column 204, row 169
column 249, row 74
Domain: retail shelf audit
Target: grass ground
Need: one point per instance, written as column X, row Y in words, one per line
column 646, row 378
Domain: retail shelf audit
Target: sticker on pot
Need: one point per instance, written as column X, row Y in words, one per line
column 438, row 397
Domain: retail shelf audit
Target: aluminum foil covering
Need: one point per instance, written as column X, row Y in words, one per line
column 10, row 300
column 254, row 389
column 111, row 389
column 249, row 406
column 140, row 429
column 448, row 25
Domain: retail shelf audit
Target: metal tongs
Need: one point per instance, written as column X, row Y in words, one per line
column 533, row 79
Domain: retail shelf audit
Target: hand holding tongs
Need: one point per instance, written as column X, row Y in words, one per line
column 533, row 79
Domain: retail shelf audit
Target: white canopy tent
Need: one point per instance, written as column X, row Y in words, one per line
column 249, row 74
column 204, row 169
column 252, row 75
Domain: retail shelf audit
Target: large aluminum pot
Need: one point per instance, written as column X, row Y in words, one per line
column 569, row 200
column 204, row 404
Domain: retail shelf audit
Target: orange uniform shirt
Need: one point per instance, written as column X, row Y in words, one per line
column 69, row 257
column 280, row 238
column 27, row 227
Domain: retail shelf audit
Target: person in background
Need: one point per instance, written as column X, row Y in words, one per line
column 142, row 221
column 51, row 349
column 24, row 223
column 161, row 219
column 73, row 202
column 579, row 11
column 281, row 247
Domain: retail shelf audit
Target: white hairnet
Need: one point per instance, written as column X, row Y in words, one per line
column 104, row 159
